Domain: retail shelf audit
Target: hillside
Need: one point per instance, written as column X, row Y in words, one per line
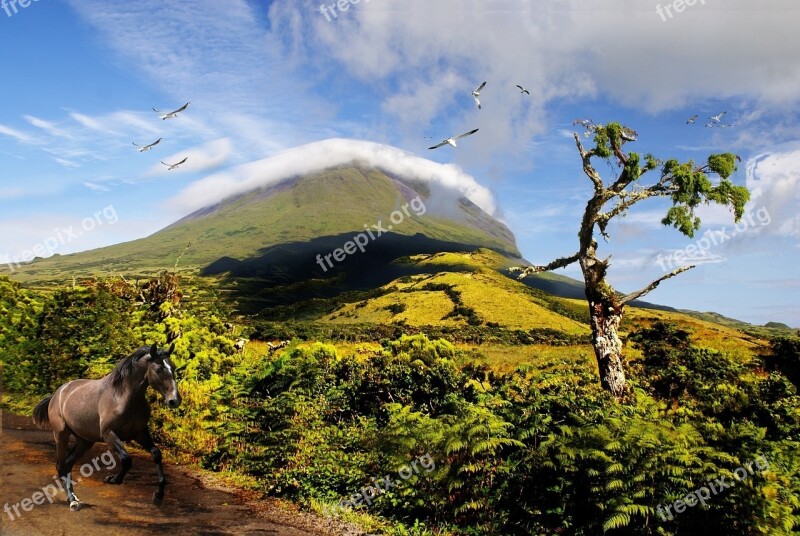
column 275, row 231
column 266, row 247
column 456, row 291
column 424, row 340
column 264, row 251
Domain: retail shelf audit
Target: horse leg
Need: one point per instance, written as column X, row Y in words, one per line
column 64, row 469
column 80, row 448
column 146, row 441
column 116, row 445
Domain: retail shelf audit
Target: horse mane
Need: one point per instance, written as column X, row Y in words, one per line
column 126, row 365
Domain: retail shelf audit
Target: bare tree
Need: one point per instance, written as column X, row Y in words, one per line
column 686, row 184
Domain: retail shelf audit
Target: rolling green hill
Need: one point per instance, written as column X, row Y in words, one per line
column 442, row 261
column 261, row 248
column 274, row 231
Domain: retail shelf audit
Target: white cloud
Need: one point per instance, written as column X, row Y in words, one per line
column 425, row 57
column 88, row 122
column 223, row 60
column 325, row 154
column 48, row 127
column 774, row 181
column 96, row 187
column 66, row 163
column 16, row 134
column 207, row 156
column 45, row 234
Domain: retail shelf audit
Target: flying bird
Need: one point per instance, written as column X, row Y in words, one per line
column 692, row 119
column 452, row 141
column 523, row 90
column 172, row 115
column 143, row 148
column 709, row 125
column 170, row 167
column 717, row 118
column 477, row 93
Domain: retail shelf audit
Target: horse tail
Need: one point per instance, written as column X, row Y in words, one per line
column 41, row 412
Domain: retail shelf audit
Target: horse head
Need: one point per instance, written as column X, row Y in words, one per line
column 161, row 374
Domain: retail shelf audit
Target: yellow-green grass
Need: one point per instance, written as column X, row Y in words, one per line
column 708, row 334
column 422, row 308
column 503, row 358
column 494, row 297
column 503, row 301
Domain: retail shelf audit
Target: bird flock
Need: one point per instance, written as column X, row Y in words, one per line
column 163, row 116
column 714, row 121
column 589, row 125
column 476, row 94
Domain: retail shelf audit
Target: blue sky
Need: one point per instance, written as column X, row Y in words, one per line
column 276, row 85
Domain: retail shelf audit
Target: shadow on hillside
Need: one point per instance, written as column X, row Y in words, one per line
column 290, row 273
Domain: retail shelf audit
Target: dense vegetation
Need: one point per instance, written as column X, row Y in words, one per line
column 538, row 450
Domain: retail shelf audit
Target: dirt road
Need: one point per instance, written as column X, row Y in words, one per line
column 190, row 507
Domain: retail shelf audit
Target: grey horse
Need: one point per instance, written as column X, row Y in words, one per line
column 110, row 410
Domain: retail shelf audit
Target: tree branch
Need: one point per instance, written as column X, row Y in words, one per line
column 558, row 263
column 625, row 179
column 622, row 158
column 627, row 200
column 588, row 169
column 639, row 293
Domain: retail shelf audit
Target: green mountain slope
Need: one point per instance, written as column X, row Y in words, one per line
column 264, row 253
column 300, row 216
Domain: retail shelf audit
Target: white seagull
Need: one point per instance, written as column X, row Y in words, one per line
column 170, row 167
column 692, row 119
column 717, row 118
column 452, row 141
column 172, row 115
column 523, row 90
column 143, row 148
column 477, row 93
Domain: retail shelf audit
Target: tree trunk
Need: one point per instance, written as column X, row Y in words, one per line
column 607, row 346
column 605, row 315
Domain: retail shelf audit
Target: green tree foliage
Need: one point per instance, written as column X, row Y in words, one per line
column 785, row 357
column 18, row 310
column 80, row 332
column 538, row 450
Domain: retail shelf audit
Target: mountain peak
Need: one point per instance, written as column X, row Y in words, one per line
column 277, row 229
column 328, row 154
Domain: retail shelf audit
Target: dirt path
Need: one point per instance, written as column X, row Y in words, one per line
column 189, row 508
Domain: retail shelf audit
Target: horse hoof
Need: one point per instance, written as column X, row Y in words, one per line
column 157, row 499
column 74, row 506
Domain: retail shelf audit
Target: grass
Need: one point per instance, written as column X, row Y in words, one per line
column 495, row 298
column 501, row 358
